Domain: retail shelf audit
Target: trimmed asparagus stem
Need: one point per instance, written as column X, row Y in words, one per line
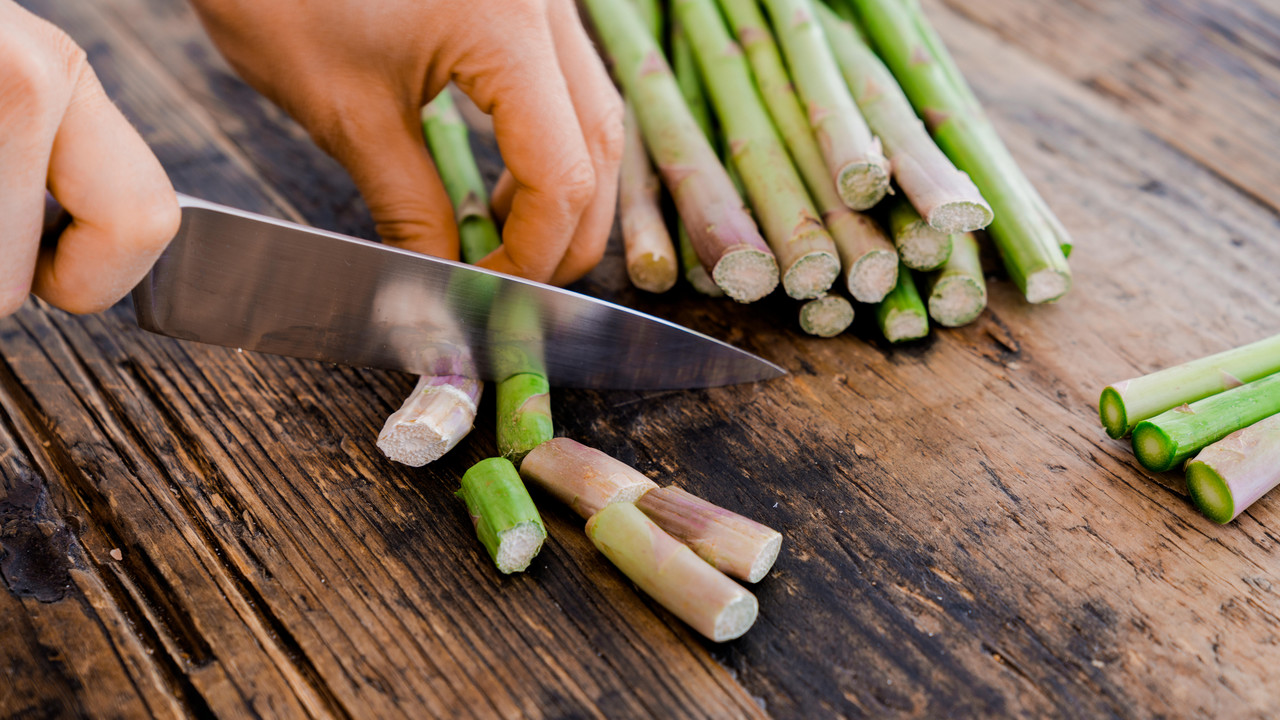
column 505, row 518
column 694, row 273
column 726, row 238
column 433, row 419
column 853, row 155
column 672, row 574
column 826, row 316
column 650, row 254
column 1231, row 474
column 806, row 253
column 734, row 545
column 869, row 261
column 920, row 246
column 449, row 141
column 524, row 415
column 583, row 478
column 1125, row 404
column 1172, row 436
column 958, row 292
column 901, row 314
column 1028, row 235
column 943, row 195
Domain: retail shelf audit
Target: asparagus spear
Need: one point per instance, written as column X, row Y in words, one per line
column 1229, row 475
column 733, row 544
column 901, row 314
column 449, row 141
column 524, row 415
column 434, row 418
column 506, row 520
column 805, row 251
column 853, row 155
column 1025, row 231
column 943, row 195
column 724, row 235
column 870, row 263
column 1124, row 404
column 920, row 246
column 826, row 316
column 1172, row 436
column 958, row 292
column 670, row 573
column 582, row 477
column 650, row 255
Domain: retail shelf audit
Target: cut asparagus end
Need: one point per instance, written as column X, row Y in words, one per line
column 1210, row 493
column 517, row 546
column 863, row 184
column 1153, row 447
column 506, row 520
column 736, row 618
column 826, row 316
column 734, row 545
column 582, row 477
column 923, row 248
column 1112, row 413
column 433, row 419
column 764, row 561
column 901, row 325
column 746, row 275
column 1047, row 285
column 811, row 275
column 653, row 272
column 957, row 301
column 873, row 276
column 958, row 217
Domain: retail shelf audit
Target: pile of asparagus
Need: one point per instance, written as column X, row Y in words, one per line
column 678, row 548
column 793, row 150
column 1221, row 411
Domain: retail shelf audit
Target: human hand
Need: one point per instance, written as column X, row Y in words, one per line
column 356, row 74
column 59, row 131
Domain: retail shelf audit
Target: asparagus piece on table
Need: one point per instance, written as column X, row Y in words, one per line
column 726, row 238
column 671, row 573
column 805, row 252
column 1029, row 237
column 734, row 545
column 920, row 246
column 1229, row 475
column 826, row 316
column 583, row 478
column 1124, row 404
column 650, row 254
column 869, row 260
column 505, row 518
column 1172, row 436
column 943, row 195
column 434, row 418
column 958, row 292
column 901, row 314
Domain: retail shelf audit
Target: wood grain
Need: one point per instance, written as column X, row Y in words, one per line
column 961, row 537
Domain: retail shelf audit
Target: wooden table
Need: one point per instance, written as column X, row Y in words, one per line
column 192, row 530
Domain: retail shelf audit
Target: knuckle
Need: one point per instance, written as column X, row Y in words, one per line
column 609, row 130
column 159, row 218
column 577, row 182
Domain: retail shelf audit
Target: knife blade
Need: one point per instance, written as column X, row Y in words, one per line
column 253, row 282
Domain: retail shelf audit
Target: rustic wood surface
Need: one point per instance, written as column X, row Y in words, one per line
column 188, row 530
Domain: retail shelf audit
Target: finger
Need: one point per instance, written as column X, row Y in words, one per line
column 600, row 110
column 503, row 192
column 381, row 146
column 122, row 205
column 521, row 86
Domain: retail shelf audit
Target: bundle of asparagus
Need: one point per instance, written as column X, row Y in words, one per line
column 1226, row 407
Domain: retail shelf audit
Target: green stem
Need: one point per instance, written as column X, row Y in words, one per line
column 449, row 141
column 920, row 246
column 1229, row 475
column 505, row 518
column 524, row 415
column 1172, row 436
column 901, row 314
column 958, row 292
column 826, row 316
column 1124, row 404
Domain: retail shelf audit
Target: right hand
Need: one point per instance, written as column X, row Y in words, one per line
column 60, row 132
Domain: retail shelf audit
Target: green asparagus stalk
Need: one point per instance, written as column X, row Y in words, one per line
column 726, row 238
column 524, row 415
column 853, row 155
column 920, row 246
column 1172, row 436
column 671, row 573
column 505, row 518
column 733, row 544
column 901, row 314
column 1124, row 404
column 1028, row 235
column 943, row 195
column 870, row 264
column 650, row 254
column 958, row 292
column 826, row 316
column 1229, row 475
column 449, row 141
column 583, row 478
column 805, row 251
